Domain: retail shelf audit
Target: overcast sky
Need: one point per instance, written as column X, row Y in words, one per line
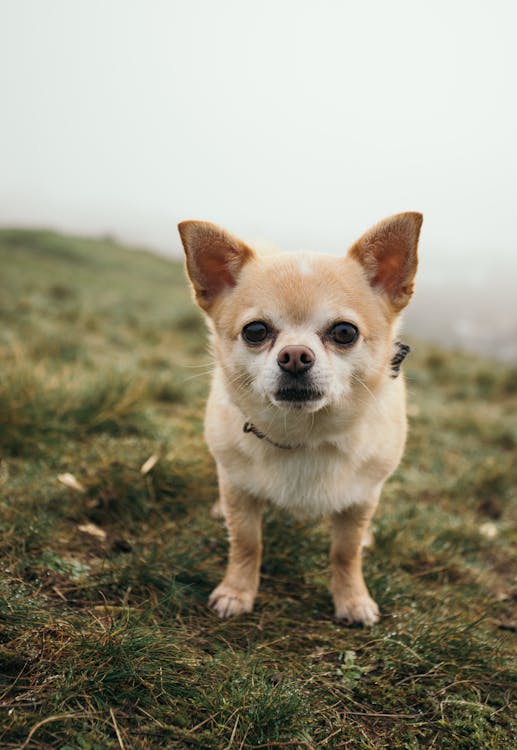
column 295, row 121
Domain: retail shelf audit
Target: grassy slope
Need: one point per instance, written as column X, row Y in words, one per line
column 107, row 642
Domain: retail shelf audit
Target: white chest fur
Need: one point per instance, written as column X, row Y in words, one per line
column 308, row 482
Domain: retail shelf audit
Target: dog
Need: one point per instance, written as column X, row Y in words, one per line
column 305, row 408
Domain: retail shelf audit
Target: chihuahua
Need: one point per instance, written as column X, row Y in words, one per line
column 305, row 409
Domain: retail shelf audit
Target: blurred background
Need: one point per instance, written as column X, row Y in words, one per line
column 296, row 123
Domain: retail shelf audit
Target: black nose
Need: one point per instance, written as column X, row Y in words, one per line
column 296, row 359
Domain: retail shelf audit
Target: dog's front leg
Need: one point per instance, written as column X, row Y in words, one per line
column 351, row 598
column 236, row 593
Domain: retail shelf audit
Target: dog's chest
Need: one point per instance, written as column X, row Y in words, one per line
column 309, row 482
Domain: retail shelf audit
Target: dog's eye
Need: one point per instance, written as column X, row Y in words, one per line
column 344, row 333
column 255, row 333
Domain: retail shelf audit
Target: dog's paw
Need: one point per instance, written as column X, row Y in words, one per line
column 229, row 602
column 358, row 609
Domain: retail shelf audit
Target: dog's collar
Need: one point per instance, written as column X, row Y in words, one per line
column 401, row 352
column 249, row 427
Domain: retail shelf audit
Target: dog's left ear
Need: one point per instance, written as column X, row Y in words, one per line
column 388, row 255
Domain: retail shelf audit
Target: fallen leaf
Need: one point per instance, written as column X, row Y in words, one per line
column 70, row 481
column 150, row 463
column 488, row 529
column 92, row 530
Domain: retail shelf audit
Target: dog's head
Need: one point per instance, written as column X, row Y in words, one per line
column 302, row 331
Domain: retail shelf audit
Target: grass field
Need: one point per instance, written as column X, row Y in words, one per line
column 105, row 637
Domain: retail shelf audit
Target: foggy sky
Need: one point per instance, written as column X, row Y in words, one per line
column 294, row 121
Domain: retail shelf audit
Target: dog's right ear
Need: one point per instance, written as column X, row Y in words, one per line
column 214, row 259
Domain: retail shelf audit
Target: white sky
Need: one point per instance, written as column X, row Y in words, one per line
column 296, row 121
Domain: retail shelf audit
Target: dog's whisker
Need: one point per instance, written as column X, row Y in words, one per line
column 373, row 396
column 197, row 375
column 198, row 366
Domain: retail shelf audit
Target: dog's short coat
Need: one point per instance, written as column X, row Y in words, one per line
column 304, row 410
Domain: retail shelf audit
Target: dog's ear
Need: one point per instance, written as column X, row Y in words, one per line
column 388, row 255
column 214, row 259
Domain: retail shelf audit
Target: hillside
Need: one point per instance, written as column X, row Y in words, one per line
column 105, row 638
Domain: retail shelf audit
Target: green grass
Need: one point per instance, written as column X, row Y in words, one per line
column 105, row 637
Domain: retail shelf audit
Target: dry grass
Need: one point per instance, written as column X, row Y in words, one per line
column 105, row 638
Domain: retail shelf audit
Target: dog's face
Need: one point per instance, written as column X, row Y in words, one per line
column 298, row 331
column 303, row 331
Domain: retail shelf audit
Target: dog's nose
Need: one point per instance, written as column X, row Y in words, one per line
column 296, row 359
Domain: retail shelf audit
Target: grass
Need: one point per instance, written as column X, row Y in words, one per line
column 105, row 638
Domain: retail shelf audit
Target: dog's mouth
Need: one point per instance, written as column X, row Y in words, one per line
column 298, row 395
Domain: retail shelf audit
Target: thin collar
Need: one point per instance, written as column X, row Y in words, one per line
column 249, row 427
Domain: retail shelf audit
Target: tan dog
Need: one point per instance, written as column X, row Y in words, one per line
column 305, row 408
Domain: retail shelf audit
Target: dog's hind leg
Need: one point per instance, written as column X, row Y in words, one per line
column 217, row 510
column 368, row 539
